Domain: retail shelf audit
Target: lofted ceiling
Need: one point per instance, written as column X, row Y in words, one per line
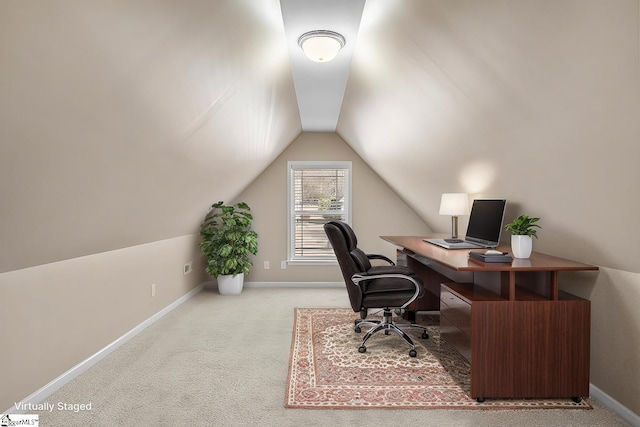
column 122, row 121
column 320, row 86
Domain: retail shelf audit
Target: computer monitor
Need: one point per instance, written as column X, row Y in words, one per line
column 485, row 221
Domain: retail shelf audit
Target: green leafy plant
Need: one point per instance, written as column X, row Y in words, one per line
column 524, row 226
column 227, row 239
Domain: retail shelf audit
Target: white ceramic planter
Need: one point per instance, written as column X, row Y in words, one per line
column 230, row 284
column 521, row 246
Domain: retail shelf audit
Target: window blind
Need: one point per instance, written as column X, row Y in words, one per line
column 319, row 194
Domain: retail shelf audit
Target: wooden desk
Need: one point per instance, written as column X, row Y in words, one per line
column 523, row 336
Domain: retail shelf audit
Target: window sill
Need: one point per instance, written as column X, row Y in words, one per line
column 312, row 262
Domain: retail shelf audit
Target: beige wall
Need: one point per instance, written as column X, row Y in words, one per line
column 615, row 328
column 56, row 315
column 534, row 101
column 377, row 210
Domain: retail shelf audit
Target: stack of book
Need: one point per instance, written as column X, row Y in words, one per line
column 491, row 257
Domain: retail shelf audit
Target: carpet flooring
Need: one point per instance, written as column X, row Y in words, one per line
column 223, row 361
column 327, row 371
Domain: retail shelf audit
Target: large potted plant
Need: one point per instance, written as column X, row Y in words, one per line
column 227, row 242
column 522, row 228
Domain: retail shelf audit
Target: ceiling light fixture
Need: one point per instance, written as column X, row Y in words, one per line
column 321, row 45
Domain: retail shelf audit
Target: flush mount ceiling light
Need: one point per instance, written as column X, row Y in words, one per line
column 321, row 45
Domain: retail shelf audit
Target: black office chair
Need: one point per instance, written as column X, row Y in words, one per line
column 385, row 287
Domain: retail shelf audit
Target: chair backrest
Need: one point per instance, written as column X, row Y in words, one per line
column 351, row 259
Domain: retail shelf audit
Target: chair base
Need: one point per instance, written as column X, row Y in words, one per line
column 387, row 324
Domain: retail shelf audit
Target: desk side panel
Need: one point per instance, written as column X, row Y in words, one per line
column 530, row 349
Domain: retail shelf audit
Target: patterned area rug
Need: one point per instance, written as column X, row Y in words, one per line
column 326, row 371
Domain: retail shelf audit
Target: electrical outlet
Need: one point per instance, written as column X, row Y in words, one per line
column 266, row 265
column 153, row 289
column 187, row 268
column 283, row 265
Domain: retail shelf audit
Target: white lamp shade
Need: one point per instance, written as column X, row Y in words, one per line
column 454, row 204
column 321, row 46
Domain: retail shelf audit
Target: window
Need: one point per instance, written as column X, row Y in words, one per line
column 318, row 192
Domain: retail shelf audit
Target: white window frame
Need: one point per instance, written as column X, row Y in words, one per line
column 292, row 166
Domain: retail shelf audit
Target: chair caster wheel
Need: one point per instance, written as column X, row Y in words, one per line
column 357, row 329
column 480, row 399
column 362, row 349
column 425, row 335
column 413, row 353
column 577, row 399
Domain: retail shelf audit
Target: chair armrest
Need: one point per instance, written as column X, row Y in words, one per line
column 382, row 257
column 357, row 278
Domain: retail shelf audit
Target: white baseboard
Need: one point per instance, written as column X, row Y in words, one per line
column 614, row 405
column 294, row 284
column 46, row 391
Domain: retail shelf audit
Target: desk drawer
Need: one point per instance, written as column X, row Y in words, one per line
column 455, row 338
column 457, row 311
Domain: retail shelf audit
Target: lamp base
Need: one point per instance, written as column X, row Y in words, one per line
column 454, row 227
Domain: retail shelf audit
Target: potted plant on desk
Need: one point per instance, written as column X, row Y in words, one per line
column 227, row 241
column 523, row 227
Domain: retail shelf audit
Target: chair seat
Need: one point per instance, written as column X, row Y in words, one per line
column 389, row 269
column 391, row 284
column 388, row 292
column 385, row 299
column 388, row 285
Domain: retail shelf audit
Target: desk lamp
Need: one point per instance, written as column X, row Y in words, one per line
column 454, row 204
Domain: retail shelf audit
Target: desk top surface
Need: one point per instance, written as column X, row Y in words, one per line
column 458, row 259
